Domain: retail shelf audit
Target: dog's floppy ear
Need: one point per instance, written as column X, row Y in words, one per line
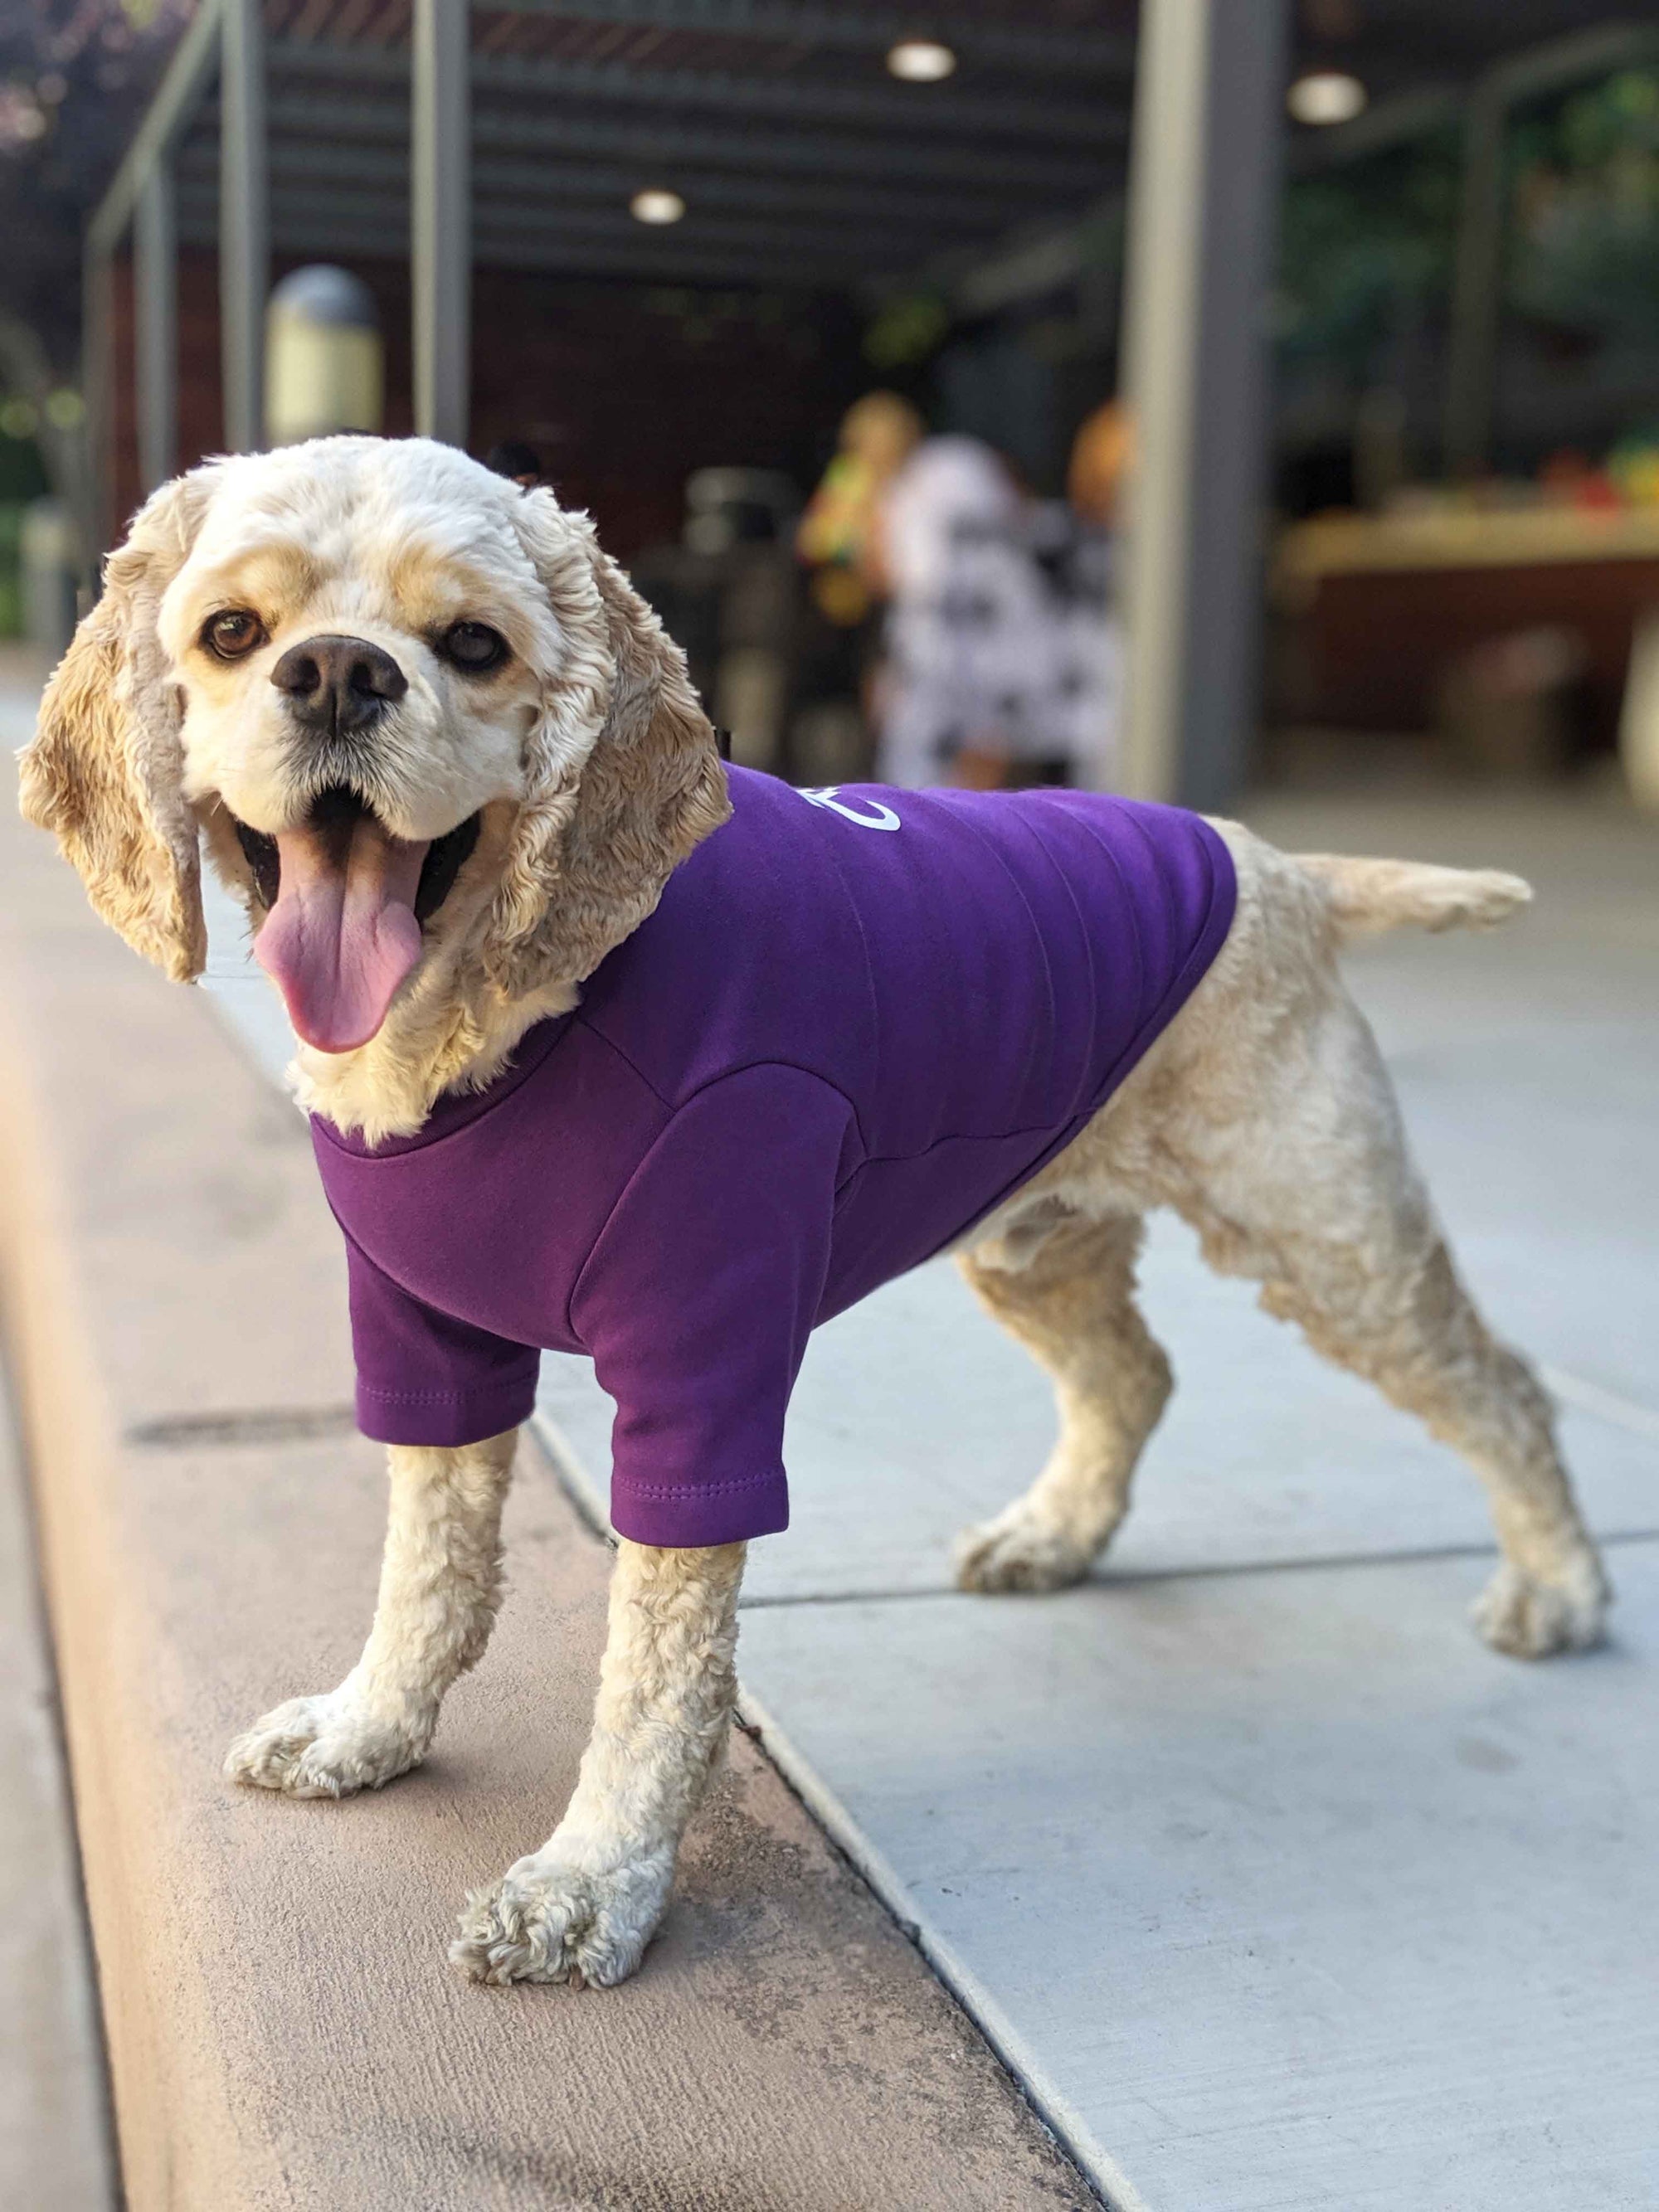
column 105, row 771
column 625, row 776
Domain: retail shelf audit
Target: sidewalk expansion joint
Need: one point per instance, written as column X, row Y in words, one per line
column 1133, row 1578
column 271, row 1426
column 1608, row 1405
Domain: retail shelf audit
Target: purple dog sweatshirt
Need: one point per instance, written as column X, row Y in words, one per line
column 857, row 1021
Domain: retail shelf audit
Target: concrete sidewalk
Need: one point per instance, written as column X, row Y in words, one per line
column 1277, row 1888
column 54, row 2152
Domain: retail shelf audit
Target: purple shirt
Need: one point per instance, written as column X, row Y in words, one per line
column 858, row 1019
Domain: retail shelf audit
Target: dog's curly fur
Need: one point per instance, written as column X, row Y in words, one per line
column 1262, row 1114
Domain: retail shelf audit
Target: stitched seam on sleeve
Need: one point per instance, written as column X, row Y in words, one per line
column 446, row 1397
column 693, row 1489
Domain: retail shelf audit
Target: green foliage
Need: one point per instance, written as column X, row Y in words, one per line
column 1361, row 249
column 11, row 582
column 1585, row 252
column 906, row 331
column 1365, row 248
column 22, row 476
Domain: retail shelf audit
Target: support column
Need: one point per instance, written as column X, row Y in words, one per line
column 1477, row 285
column 97, row 523
column 1203, row 199
column 244, row 223
column 441, row 218
column 155, row 303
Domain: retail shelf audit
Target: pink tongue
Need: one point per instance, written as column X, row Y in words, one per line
column 342, row 933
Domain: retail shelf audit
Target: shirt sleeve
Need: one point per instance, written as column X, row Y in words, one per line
column 424, row 1377
column 698, row 1298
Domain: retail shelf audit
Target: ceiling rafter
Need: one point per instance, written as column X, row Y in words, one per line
column 855, row 247
column 326, row 230
column 852, row 30
column 381, row 168
column 916, row 110
column 660, row 145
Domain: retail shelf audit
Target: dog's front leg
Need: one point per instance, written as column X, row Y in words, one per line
column 439, row 1587
column 588, row 1902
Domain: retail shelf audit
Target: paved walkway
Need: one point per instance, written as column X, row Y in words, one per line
column 54, row 2153
column 1277, row 1887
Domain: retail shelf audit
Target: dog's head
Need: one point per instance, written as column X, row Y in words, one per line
column 430, row 732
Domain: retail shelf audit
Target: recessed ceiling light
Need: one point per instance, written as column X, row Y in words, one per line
column 656, row 206
column 1326, row 96
column 920, row 61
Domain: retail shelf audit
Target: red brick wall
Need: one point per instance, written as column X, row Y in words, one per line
column 623, row 389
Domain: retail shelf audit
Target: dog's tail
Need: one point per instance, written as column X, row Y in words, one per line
column 1365, row 897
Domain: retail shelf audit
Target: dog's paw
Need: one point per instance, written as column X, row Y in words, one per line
column 1017, row 1552
column 550, row 1919
column 323, row 1746
column 1530, row 1617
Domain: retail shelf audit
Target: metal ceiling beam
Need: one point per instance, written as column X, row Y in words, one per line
column 194, row 64
column 1560, row 63
column 640, row 260
column 917, row 109
column 1379, row 129
column 851, row 30
column 664, row 145
column 842, row 247
column 1016, row 269
column 187, row 76
column 379, row 169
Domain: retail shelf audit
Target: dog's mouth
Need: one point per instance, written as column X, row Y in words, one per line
column 346, row 902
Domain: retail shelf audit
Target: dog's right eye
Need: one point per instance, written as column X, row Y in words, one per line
column 233, row 635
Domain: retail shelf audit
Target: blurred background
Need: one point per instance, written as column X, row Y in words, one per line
column 866, row 332
column 1251, row 402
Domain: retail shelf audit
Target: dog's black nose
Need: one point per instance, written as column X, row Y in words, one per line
column 338, row 683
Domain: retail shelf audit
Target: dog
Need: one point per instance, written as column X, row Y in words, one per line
column 456, row 772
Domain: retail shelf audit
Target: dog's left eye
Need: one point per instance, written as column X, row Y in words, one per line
column 473, row 646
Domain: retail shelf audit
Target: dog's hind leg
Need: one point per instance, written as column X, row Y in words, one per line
column 1314, row 1194
column 1071, row 1302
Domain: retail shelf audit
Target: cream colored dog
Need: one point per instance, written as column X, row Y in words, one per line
column 535, row 765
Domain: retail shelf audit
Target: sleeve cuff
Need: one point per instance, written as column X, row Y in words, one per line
column 447, row 1418
column 679, row 1516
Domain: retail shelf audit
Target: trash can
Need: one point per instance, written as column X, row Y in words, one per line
column 323, row 359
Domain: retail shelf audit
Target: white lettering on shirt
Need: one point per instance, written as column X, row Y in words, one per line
column 880, row 817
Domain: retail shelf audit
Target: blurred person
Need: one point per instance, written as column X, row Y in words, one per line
column 1077, row 545
column 1097, row 475
column 989, row 679
column 837, row 536
column 836, row 543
